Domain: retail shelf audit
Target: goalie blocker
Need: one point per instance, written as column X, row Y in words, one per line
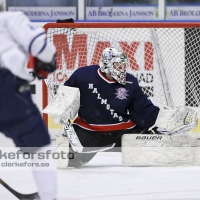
column 65, row 105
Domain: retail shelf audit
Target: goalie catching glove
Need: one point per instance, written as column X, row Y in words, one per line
column 175, row 120
column 65, row 105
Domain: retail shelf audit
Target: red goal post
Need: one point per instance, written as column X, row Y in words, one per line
column 164, row 56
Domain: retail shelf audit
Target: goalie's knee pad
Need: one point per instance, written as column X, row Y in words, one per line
column 30, row 133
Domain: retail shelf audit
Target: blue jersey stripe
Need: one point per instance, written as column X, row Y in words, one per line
column 31, row 43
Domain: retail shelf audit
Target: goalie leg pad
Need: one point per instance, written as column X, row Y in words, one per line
column 61, row 147
column 161, row 150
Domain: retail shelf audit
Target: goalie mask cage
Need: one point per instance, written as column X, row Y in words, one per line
column 164, row 57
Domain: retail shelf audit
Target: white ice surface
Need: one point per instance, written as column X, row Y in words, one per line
column 106, row 178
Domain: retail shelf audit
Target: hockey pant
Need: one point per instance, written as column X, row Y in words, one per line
column 20, row 119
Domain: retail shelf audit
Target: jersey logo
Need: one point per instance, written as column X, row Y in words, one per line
column 121, row 93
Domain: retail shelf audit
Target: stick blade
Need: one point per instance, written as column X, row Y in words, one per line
column 34, row 196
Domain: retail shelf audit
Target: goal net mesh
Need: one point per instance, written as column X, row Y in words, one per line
column 164, row 60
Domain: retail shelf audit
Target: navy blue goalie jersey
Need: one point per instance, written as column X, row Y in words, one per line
column 107, row 105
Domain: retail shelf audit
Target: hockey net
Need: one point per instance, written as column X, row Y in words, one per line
column 164, row 57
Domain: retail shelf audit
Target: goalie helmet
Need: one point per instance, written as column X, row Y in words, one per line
column 114, row 62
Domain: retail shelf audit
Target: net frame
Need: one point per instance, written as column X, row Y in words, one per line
column 112, row 25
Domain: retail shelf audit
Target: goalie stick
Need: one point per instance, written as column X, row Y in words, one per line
column 33, row 196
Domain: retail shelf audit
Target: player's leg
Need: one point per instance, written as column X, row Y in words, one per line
column 21, row 121
column 37, row 140
column 77, row 138
column 94, row 141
